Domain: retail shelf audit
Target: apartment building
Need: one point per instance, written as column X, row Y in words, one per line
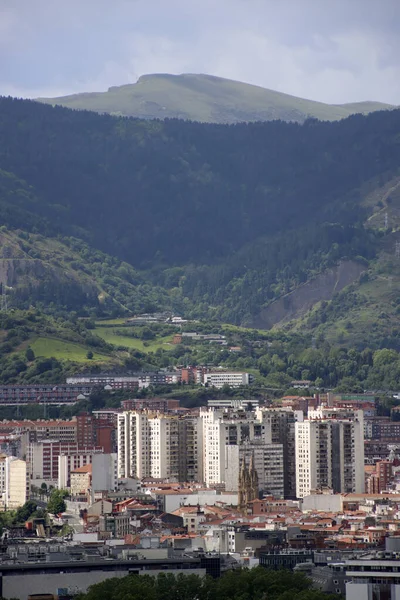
column 280, row 429
column 330, row 452
column 158, row 445
column 81, row 480
column 166, row 452
column 93, row 430
column 192, row 440
column 133, row 445
column 230, row 435
column 13, row 482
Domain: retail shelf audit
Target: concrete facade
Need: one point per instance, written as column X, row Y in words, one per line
column 13, row 482
column 159, row 445
column 268, row 462
column 220, row 378
column 330, row 452
column 104, row 472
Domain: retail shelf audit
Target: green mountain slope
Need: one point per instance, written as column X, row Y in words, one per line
column 368, row 310
column 210, row 220
column 206, row 98
column 40, row 269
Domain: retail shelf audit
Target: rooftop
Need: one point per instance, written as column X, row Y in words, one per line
column 83, row 469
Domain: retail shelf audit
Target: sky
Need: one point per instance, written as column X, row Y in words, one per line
column 333, row 51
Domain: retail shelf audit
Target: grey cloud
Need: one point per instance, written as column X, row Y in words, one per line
column 334, row 51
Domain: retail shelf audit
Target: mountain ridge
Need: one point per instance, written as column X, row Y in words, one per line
column 207, row 98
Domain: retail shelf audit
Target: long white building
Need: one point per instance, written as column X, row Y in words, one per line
column 330, row 452
column 220, row 378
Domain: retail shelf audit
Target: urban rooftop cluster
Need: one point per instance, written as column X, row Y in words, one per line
column 304, row 482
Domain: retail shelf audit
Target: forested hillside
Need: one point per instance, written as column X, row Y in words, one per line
column 225, row 218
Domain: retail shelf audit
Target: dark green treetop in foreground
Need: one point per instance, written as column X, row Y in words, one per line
column 242, row 584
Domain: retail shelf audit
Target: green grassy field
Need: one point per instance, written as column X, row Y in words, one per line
column 111, row 337
column 208, row 99
column 51, row 347
column 107, row 322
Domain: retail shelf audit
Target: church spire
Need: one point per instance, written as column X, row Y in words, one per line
column 243, row 484
column 253, row 476
column 248, row 482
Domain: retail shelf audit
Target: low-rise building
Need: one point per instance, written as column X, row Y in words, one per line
column 81, row 480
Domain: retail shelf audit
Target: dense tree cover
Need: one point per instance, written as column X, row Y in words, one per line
column 241, row 584
column 140, row 190
column 354, row 308
column 271, row 267
column 226, row 217
column 64, row 273
column 275, row 358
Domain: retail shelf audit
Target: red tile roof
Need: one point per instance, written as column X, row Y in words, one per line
column 83, row 469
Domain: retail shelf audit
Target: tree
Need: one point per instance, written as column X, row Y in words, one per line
column 43, row 489
column 24, row 512
column 89, row 354
column 147, row 334
column 56, row 504
column 29, row 355
column 6, row 520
